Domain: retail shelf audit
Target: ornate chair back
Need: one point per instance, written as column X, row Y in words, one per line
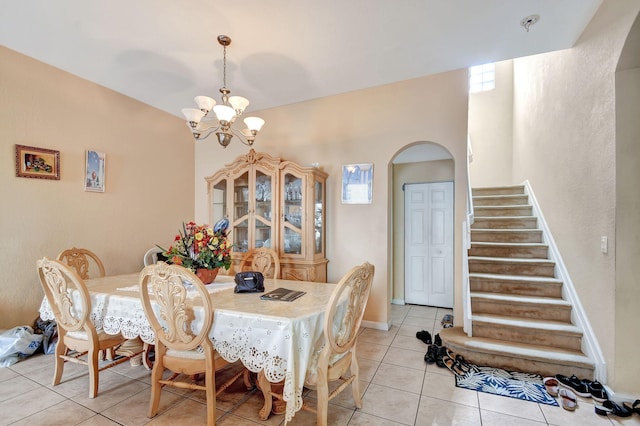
column 86, row 263
column 263, row 260
column 151, row 256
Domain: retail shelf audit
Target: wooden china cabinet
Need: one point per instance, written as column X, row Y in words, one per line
column 273, row 203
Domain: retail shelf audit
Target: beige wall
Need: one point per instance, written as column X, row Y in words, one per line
column 565, row 145
column 491, row 131
column 421, row 172
column 149, row 178
column 366, row 126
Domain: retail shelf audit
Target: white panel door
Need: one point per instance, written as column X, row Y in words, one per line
column 429, row 244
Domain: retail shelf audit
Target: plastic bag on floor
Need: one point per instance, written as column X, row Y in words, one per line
column 49, row 331
column 16, row 343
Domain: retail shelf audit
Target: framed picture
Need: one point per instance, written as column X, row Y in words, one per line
column 38, row 163
column 357, row 183
column 94, row 171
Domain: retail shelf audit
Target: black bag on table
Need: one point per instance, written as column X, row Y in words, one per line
column 249, row 282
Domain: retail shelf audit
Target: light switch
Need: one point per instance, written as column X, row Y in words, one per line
column 604, row 244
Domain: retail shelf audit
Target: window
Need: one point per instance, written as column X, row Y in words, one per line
column 482, row 78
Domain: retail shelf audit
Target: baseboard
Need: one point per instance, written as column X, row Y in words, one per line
column 397, row 302
column 376, row 325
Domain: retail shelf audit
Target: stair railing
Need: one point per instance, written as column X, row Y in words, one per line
column 466, row 245
column 590, row 345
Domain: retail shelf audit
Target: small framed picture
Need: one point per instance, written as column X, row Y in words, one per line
column 38, row 163
column 357, row 183
column 94, row 171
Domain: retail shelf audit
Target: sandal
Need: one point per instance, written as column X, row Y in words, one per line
column 551, row 385
column 569, row 399
column 453, row 366
column 634, row 407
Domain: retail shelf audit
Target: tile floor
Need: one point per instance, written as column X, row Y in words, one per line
column 399, row 389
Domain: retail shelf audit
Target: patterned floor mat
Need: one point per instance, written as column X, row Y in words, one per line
column 497, row 381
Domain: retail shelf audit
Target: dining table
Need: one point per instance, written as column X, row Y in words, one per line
column 280, row 339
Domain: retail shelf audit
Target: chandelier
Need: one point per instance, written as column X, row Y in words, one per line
column 226, row 113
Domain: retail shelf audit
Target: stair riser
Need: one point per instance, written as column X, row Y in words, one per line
column 532, row 337
column 510, row 251
column 544, row 368
column 502, row 190
column 523, row 288
column 504, row 223
column 501, row 201
column 521, row 310
column 488, row 236
column 505, row 211
column 511, row 269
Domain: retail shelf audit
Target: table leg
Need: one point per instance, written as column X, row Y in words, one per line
column 132, row 348
column 265, row 387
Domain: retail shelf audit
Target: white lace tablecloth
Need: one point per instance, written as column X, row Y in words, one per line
column 281, row 338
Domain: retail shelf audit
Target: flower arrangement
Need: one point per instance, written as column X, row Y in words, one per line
column 199, row 247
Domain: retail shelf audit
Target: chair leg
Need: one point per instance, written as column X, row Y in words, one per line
column 355, row 384
column 156, row 387
column 210, row 384
column 322, row 391
column 61, row 350
column 92, row 361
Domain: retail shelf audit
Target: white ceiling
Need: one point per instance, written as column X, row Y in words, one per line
column 164, row 52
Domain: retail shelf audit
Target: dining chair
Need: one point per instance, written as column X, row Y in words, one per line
column 151, row 256
column 84, row 261
column 78, row 340
column 263, row 260
column 342, row 319
column 167, row 293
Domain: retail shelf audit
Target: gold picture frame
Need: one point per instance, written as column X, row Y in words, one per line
column 37, row 163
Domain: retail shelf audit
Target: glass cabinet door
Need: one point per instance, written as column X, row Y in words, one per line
column 318, row 219
column 219, row 201
column 240, row 218
column 293, row 213
column 263, row 210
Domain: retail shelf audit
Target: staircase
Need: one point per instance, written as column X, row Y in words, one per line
column 519, row 320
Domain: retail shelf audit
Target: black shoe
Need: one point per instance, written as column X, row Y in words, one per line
column 610, row 407
column 431, row 355
column 424, row 336
column 632, row 406
column 441, row 352
column 597, row 391
column 575, row 384
column 437, row 340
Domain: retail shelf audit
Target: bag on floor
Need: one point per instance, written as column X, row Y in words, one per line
column 16, row 343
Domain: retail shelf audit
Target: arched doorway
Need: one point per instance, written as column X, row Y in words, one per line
column 416, row 163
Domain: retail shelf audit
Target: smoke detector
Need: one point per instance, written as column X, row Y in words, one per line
column 529, row 21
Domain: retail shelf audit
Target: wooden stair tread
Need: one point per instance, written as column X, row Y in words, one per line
column 520, row 299
column 506, row 244
column 505, row 277
column 528, row 323
column 456, row 337
column 511, row 260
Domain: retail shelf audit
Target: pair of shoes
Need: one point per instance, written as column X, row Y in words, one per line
column 575, row 384
column 610, row 407
column 447, row 321
column 424, row 336
column 597, row 391
column 568, row 399
column 551, row 385
column 455, row 366
column 634, row 407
